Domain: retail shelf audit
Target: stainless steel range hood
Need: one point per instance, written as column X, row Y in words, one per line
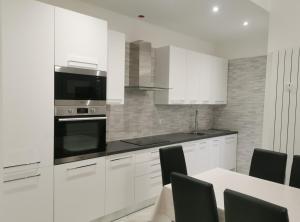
column 141, row 70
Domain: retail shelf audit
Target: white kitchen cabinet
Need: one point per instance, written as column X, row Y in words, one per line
column 218, row 80
column 228, row 152
column 203, row 156
column 79, row 192
column 119, row 182
column 80, row 40
column 116, row 68
column 27, row 195
column 193, row 78
column 215, row 147
column 171, row 73
column 27, row 82
column 191, row 157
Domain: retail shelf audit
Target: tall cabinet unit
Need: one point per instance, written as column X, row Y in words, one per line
column 27, row 84
column 80, row 40
column 116, row 68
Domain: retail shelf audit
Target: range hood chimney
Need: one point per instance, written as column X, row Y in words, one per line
column 141, row 73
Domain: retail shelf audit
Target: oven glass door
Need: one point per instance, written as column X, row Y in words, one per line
column 79, row 87
column 76, row 137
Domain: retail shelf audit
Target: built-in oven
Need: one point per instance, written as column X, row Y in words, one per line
column 80, row 133
column 79, row 87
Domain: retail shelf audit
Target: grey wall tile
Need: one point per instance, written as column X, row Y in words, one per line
column 244, row 111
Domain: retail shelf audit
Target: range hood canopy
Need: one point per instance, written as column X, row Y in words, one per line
column 141, row 74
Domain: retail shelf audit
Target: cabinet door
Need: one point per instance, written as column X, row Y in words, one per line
column 28, row 195
column 142, row 188
column 219, row 75
column 119, row 182
column 203, row 156
column 177, row 76
column 79, row 191
column 215, row 146
column 27, row 48
column 228, row 152
column 191, row 158
column 194, row 67
column 80, row 40
column 116, row 68
column 205, row 79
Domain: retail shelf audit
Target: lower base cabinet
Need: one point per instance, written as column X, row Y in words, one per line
column 119, row 182
column 79, row 191
column 27, row 195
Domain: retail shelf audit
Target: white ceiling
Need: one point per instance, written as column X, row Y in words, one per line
column 195, row 17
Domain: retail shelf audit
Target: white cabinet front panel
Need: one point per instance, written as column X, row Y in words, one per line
column 79, row 194
column 28, row 195
column 27, row 90
column 116, row 68
column 119, row 182
column 80, row 40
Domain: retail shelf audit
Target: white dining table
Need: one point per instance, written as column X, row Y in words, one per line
column 221, row 179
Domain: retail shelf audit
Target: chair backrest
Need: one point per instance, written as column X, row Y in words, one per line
column 295, row 173
column 194, row 200
column 172, row 160
column 243, row 208
column 268, row 165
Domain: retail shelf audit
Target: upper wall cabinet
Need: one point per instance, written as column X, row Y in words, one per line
column 116, row 68
column 80, row 40
column 193, row 78
column 27, row 65
column 171, row 73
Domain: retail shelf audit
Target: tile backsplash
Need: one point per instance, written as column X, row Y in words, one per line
column 139, row 116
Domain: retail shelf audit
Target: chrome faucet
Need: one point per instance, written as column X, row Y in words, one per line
column 196, row 122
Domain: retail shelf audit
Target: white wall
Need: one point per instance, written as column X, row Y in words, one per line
column 266, row 4
column 135, row 29
column 252, row 47
column 284, row 31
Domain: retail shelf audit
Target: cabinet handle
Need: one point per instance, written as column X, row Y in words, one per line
column 155, row 164
column 74, row 63
column 189, row 151
column 220, row 101
column 21, row 165
column 154, row 152
column 80, row 167
column 23, row 178
column 81, row 119
column 121, row 158
column 205, row 101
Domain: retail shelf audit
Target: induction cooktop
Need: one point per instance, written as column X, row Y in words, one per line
column 146, row 141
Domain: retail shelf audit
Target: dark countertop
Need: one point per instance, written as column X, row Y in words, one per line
column 118, row 147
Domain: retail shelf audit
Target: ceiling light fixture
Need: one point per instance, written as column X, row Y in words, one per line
column 246, row 23
column 141, row 16
column 216, row 9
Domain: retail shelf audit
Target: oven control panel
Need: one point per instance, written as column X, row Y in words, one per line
column 79, row 111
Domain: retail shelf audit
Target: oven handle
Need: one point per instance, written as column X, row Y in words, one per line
column 81, row 119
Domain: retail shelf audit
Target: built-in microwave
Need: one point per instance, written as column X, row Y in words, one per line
column 79, row 133
column 79, row 87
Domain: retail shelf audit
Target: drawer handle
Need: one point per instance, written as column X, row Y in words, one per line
column 155, row 164
column 23, row 178
column 122, row 158
column 154, row 152
column 81, row 119
column 74, row 63
column 25, row 164
column 80, row 167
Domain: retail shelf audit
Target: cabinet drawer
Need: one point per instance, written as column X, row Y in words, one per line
column 155, row 167
column 35, row 186
column 121, row 161
column 154, row 155
column 142, row 157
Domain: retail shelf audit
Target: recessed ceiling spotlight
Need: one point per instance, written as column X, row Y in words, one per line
column 216, row 9
column 246, row 23
column 141, row 16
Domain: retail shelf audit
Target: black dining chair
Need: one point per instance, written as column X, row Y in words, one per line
column 295, row 173
column 268, row 165
column 243, row 208
column 171, row 160
column 194, row 200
